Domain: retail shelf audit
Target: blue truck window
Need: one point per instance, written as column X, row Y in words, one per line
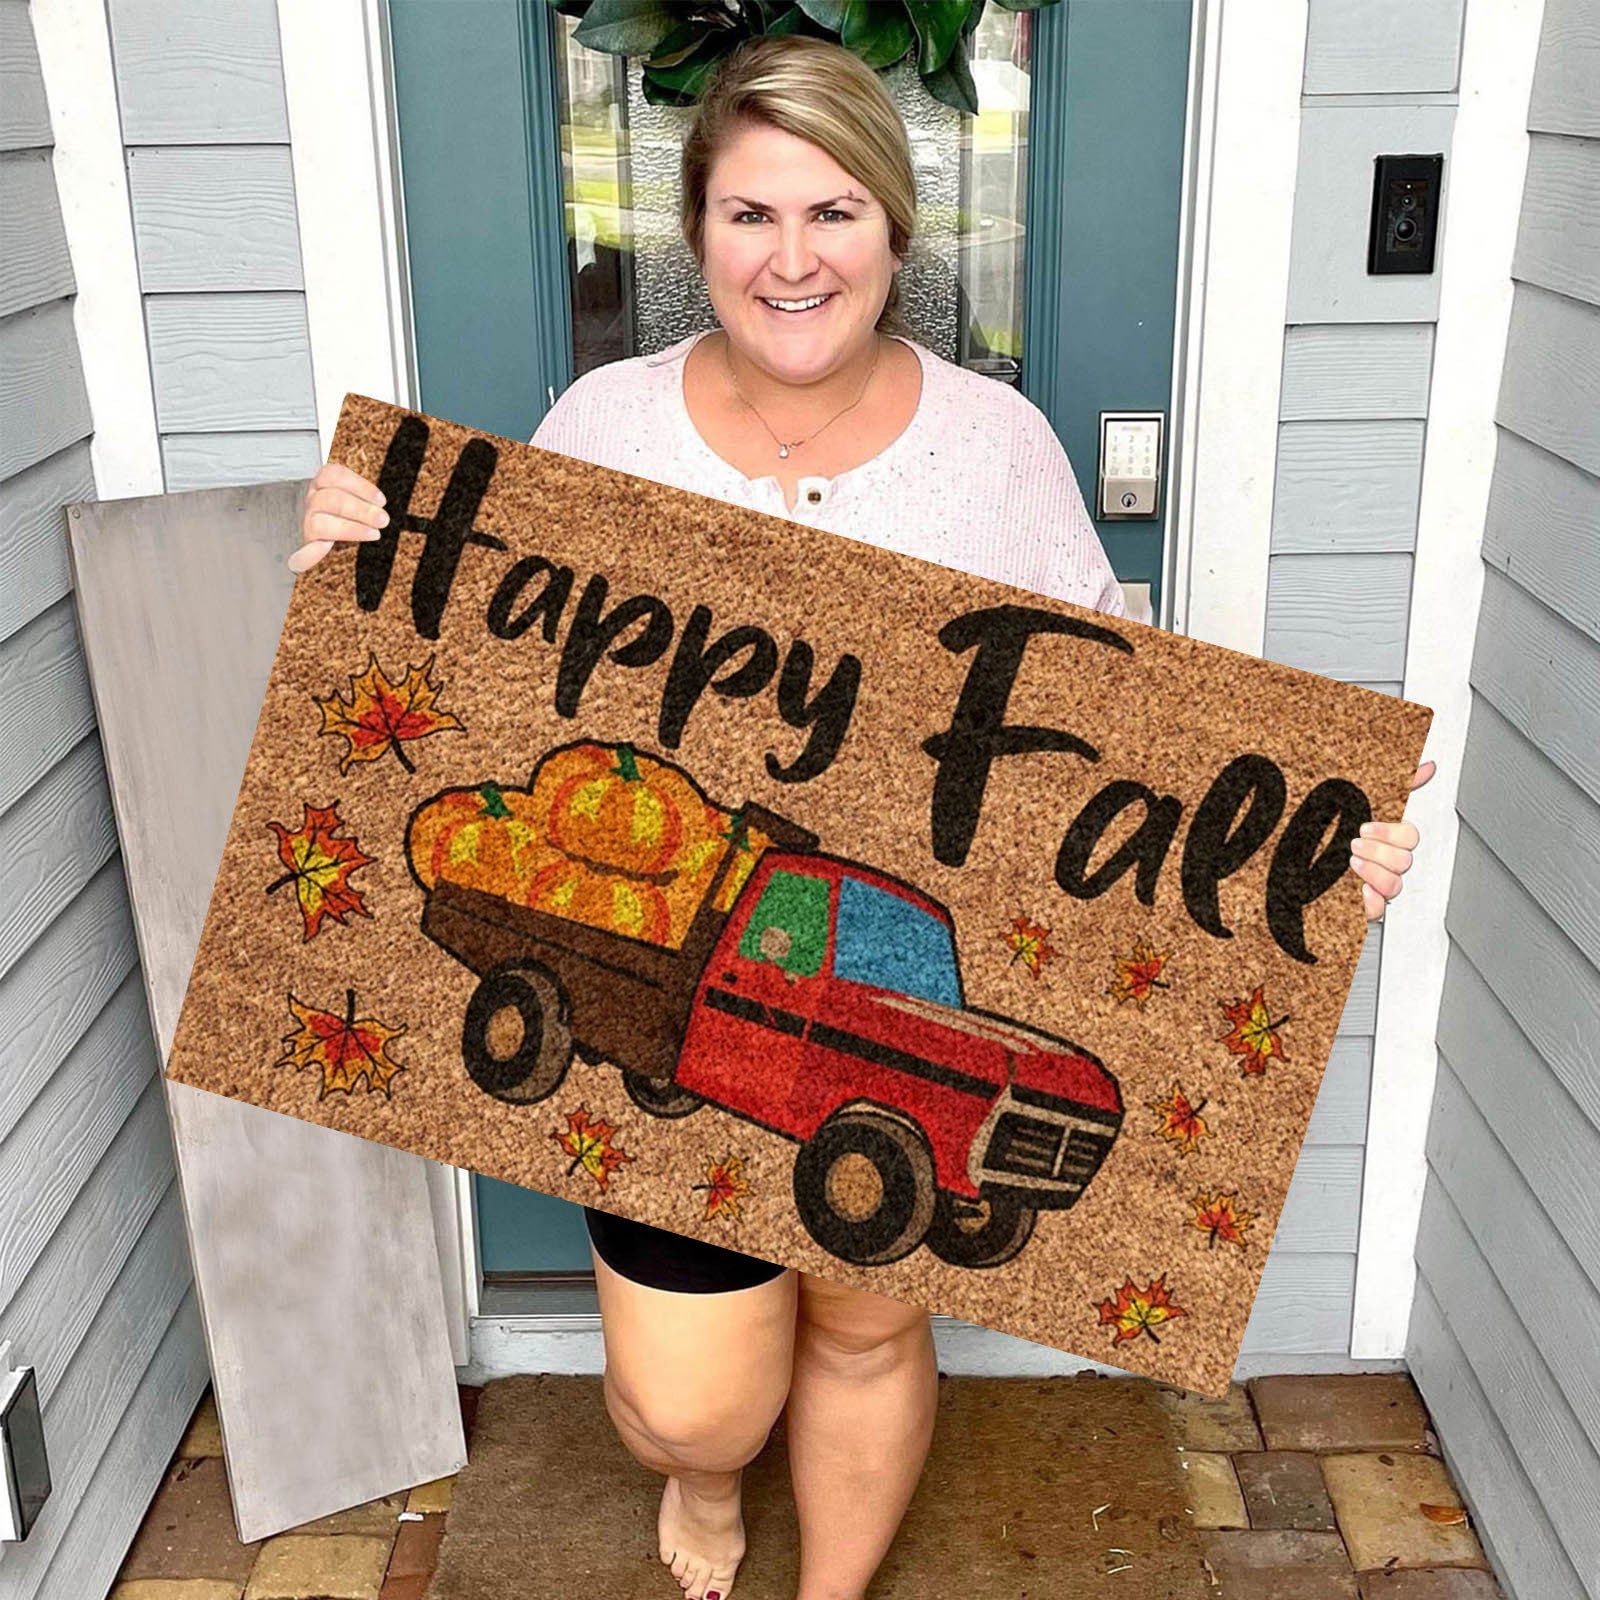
column 889, row 942
column 789, row 925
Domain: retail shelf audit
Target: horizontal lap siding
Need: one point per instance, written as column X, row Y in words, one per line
column 1507, row 1318
column 96, row 1289
column 210, row 182
column 1357, row 363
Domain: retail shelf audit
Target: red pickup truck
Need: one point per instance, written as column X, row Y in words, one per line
column 825, row 1005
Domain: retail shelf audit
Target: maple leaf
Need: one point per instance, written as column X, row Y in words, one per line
column 1253, row 1035
column 1138, row 974
column 1029, row 945
column 1217, row 1217
column 344, row 1049
column 727, row 1186
column 320, row 861
column 589, row 1144
column 1137, row 1311
column 382, row 715
column 1181, row 1123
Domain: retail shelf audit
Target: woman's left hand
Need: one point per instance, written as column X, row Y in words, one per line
column 1383, row 852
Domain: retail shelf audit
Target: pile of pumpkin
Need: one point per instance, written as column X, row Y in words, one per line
column 602, row 834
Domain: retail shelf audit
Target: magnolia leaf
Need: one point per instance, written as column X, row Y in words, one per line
column 952, row 84
column 938, row 24
column 827, row 14
column 879, row 34
column 625, row 27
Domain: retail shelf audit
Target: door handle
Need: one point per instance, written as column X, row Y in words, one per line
column 730, row 977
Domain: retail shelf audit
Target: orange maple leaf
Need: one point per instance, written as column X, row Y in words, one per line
column 1181, row 1122
column 589, row 1144
column 1254, row 1034
column 381, row 715
column 1217, row 1217
column 1138, row 974
column 727, row 1186
column 320, row 861
column 1029, row 945
column 1137, row 1311
column 344, row 1049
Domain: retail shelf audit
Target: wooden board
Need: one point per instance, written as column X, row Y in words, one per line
column 313, row 1252
column 795, row 894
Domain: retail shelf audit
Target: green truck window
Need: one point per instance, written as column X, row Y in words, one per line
column 795, row 907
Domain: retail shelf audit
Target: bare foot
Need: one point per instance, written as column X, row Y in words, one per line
column 702, row 1534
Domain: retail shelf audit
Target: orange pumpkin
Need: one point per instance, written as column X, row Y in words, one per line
column 610, row 806
column 477, row 837
column 618, row 904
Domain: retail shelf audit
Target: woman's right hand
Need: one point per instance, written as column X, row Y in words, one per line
column 339, row 504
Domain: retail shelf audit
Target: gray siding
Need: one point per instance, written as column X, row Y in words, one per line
column 1357, row 360
column 1507, row 1317
column 96, row 1291
column 206, row 129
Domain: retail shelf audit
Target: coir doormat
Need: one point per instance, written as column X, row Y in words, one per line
column 825, row 903
column 1042, row 1487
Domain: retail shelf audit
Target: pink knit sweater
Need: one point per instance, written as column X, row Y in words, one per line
column 977, row 481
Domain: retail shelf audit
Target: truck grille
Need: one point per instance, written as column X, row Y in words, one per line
column 1024, row 1146
column 1085, row 1152
column 1034, row 1149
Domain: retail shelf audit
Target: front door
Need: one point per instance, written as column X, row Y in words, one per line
column 540, row 199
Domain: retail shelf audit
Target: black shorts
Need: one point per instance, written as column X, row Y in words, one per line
column 662, row 1260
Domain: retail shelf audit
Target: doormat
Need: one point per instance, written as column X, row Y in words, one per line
column 1034, row 1486
column 825, row 903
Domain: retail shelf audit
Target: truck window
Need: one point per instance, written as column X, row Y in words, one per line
column 789, row 925
column 887, row 941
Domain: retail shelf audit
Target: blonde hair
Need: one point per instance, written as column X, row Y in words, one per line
column 823, row 94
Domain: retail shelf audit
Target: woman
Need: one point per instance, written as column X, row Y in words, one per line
column 798, row 202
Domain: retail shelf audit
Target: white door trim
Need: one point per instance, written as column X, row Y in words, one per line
column 91, row 177
column 1239, row 165
column 1233, row 293
column 1482, row 204
column 337, row 83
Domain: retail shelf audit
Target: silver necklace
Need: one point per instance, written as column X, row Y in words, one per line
column 785, row 446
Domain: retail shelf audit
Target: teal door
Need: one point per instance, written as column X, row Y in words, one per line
column 539, row 194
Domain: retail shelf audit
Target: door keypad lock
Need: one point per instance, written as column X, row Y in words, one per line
column 1130, row 464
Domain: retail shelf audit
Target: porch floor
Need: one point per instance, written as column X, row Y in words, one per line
column 1303, row 1488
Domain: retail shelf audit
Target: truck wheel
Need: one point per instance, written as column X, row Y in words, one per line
column 864, row 1187
column 516, row 1043
column 661, row 1097
column 980, row 1233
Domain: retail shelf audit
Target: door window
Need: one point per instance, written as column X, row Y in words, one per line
column 890, row 943
column 635, row 288
column 789, row 926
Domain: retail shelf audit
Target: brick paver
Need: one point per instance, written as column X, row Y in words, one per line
column 175, row 1589
column 1280, row 1564
column 189, row 1531
column 1284, row 1489
column 1213, row 1490
column 433, row 1496
column 204, row 1436
column 1378, row 1499
column 341, row 1566
column 1342, row 1411
column 1436, row 1583
column 1202, row 1423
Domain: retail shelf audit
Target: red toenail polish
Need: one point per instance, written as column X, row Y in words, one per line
column 713, row 1594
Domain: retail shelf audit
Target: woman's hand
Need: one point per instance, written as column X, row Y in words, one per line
column 1383, row 853
column 339, row 504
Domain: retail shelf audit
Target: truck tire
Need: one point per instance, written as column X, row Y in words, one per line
column 980, row 1233
column 864, row 1187
column 661, row 1097
column 531, row 1067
